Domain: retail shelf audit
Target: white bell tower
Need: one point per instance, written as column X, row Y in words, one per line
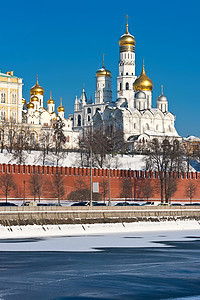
column 126, row 76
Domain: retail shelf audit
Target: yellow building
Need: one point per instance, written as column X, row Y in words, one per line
column 10, row 97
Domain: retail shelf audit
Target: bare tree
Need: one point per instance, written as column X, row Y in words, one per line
column 22, row 140
column 37, row 185
column 100, row 144
column 7, row 184
column 190, row 190
column 45, row 145
column 147, row 188
column 126, row 188
column 59, row 139
column 165, row 157
column 58, row 186
column 105, row 188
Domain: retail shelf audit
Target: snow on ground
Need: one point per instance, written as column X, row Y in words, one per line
column 38, row 231
column 72, row 159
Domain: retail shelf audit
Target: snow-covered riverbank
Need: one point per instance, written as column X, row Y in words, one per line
column 38, row 231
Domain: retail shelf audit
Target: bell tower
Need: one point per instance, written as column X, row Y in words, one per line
column 126, row 76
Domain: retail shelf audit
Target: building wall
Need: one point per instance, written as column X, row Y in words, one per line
column 72, row 175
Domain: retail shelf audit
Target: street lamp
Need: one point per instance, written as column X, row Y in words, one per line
column 91, row 189
column 24, row 189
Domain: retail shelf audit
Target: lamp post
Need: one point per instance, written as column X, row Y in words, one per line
column 109, row 200
column 24, row 189
column 91, row 176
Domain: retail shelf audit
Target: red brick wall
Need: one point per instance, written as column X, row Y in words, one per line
column 22, row 173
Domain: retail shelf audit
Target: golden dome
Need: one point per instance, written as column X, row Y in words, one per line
column 103, row 71
column 34, row 98
column 143, row 82
column 30, row 105
column 23, row 101
column 127, row 41
column 50, row 101
column 60, row 108
column 37, row 89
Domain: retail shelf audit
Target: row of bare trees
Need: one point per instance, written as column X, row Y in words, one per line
column 38, row 185
column 19, row 140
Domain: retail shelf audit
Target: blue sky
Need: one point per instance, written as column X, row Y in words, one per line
column 63, row 43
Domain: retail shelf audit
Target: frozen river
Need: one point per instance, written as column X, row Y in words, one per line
column 140, row 265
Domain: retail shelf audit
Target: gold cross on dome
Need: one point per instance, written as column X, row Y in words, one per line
column 127, row 16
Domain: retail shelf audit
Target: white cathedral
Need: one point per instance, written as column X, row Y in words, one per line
column 132, row 112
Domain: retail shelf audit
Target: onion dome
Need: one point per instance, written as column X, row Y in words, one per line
column 30, row 105
column 103, row 71
column 34, row 99
column 23, row 101
column 50, row 101
column 162, row 98
column 143, row 82
column 127, row 41
column 140, row 95
column 60, row 108
column 37, row 89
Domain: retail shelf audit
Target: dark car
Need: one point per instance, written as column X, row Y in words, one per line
column 134, row 204
column 79, row 204
column 148, row 203
column 42, row 204
column 122, row 204
column 7, row 204
column 99, row 204
column 175, row 204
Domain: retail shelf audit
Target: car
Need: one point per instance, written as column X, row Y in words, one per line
column 99, row 204
column 134, row 204
column 191, row 204
column 42, row 204
column 29, row 203
column 163, row 204
column 175, row 204
column 148, row 203
column 7, row 204
column 79, row 204
column 122, row 204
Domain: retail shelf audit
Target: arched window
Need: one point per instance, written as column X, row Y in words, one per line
column 14, row 99
column 89, row 110
column 1, row 135
column 68, row 139
column 3, row 115
column 32, row 138
column 79, row 120
column 127, row 86
column 88, row 118
column 13, row 116
column 120, row 86
column 3, row 98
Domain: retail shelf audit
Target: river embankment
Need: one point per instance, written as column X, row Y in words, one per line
column 22, row 222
